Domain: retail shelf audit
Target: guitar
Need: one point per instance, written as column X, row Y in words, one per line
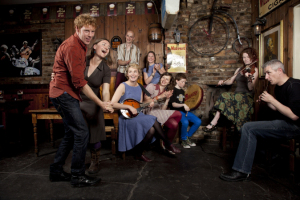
column 26, row 53
column 137, row 105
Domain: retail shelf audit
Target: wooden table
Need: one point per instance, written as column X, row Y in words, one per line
column 51, row 114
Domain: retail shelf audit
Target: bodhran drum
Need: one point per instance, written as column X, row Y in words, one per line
column 193, row 96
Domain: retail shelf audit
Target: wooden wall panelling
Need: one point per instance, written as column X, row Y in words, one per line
column 290, row 28
column 115, row 26
column 69, row 28
column 69, row 11
column 103, row 10
column 85, row 8
column 121, row 9
column 139, row 8
column 52, row 12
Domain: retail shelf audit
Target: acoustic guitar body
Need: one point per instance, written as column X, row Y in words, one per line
column 133, row 103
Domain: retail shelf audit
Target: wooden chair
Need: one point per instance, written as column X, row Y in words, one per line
column 291, row 146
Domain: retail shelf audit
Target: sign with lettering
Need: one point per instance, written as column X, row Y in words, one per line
column 61, row 12
column 130, row 8
column 115, row 42
column 266, row 6
column 176, row 58
column 94, row 10
column 27, row 13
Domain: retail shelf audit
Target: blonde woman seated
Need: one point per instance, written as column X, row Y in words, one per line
column 163, row 91
column 139, row 131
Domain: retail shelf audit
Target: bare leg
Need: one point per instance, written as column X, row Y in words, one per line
column 215, row 120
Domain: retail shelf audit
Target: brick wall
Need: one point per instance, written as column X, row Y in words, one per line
column 205, row 71
column 49, row 30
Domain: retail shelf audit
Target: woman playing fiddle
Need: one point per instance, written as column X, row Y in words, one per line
column 237, row 106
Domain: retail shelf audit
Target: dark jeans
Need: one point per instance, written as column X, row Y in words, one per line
column 267, row 130
column 76, row 135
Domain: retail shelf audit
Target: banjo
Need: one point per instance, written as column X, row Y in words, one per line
column 137, row 105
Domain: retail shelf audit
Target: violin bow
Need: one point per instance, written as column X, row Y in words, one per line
column 238, row 72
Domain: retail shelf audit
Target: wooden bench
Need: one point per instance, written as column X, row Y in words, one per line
column 51, row 114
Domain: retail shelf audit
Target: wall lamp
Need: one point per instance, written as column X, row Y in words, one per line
column 258, row 24
column 57, row 42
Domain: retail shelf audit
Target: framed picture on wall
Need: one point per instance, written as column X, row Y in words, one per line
column 20, row 54
column 270, row 46
column 176, row 58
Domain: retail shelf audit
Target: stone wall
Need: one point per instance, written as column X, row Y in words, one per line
column 205, row 71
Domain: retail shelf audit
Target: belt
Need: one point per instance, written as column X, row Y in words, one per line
column 121, row 69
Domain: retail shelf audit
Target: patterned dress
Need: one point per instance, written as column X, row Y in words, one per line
column 237, row 106
column 156, row 110
column 132, row 131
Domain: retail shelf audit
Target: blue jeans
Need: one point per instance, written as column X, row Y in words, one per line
column 185, row 121
column 251, row 131
column 76, row 135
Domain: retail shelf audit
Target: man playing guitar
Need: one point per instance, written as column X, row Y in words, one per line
column 26, row 50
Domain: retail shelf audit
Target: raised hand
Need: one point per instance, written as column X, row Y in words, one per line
column 221, row 82
column 266, row 97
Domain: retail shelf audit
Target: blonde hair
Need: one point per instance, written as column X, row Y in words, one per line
column 83, row 20
column 135, row 66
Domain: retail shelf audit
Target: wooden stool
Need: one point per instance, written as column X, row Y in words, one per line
column 292, row 146
column 228, row 134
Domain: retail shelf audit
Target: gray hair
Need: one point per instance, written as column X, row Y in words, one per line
column 274, row 64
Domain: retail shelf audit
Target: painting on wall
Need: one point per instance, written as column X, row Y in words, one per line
column 271, row 46
column 21, row 54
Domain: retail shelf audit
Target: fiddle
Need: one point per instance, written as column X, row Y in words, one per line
column 248, row 68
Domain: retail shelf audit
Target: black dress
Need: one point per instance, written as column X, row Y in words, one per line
column 92, row 113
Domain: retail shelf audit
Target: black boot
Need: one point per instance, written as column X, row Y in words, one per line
column 94, row 167
column 235, row 176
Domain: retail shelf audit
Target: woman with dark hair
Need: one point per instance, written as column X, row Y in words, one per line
column 137, row 132
column 237, row 106
column 97, row 73
column 168, row 118
column 152, row 70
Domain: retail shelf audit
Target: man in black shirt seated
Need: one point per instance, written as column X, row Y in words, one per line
column 287, row 126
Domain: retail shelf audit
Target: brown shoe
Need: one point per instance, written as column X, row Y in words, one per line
column 94, row 167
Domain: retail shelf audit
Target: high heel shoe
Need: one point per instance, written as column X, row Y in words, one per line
column 213, row 127
column 172, row 149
